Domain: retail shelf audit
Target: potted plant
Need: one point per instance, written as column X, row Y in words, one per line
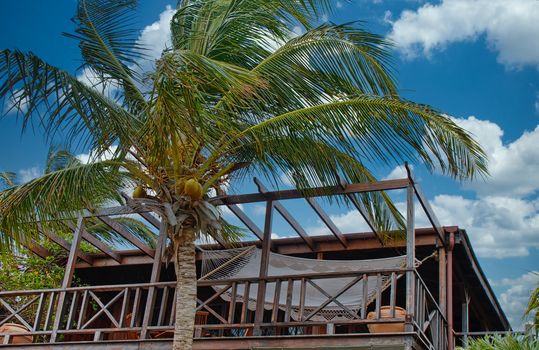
column 387, row 327
column 16, row 328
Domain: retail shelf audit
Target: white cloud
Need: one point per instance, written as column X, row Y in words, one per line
column 537, row 102
column 155, row 38
column 26, row 175
column 349, row 222
column 510, row 28
column 499, row 227
column 399, row 172
column 89, row 157
column 514, row 166
column 516, row 296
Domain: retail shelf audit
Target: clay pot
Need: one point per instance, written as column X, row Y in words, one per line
column 387, row 327
column 15, row 328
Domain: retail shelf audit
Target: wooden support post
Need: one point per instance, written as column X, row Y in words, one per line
column 264, row 262
column 465, row 317
column 288, row 217
column 442, row 280
column 156, row 274
column 410, row 259
column 449, row 304
column 68, row 276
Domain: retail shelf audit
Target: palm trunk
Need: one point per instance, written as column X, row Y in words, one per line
column 186, row 291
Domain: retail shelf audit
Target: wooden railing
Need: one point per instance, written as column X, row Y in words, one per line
column 429, row 319
column 224, row 309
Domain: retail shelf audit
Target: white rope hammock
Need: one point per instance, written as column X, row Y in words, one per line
column 245, row 263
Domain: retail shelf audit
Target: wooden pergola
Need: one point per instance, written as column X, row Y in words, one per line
column 273, row 203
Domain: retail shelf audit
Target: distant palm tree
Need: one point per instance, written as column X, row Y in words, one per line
column 533, row 308
column 59, row 159
column 236, row 94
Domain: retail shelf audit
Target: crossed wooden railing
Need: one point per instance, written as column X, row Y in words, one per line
column 117, row 312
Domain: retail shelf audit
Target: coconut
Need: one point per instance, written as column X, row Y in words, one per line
column 139, row 192
column 193, row 189
column 179, row 187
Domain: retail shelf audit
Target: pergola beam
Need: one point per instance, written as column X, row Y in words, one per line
column 327, row 220
column 127, row 235
column 64, row 244
column 88, row 237
column 361, row 208
column 288, row 217
column 313, row 192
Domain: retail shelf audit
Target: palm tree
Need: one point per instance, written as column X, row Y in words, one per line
column 236, row 94
column 59, row 158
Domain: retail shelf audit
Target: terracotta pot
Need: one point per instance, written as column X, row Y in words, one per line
column 387, row 327
column 15, row 328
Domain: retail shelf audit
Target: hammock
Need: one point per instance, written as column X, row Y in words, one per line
column 245, row 263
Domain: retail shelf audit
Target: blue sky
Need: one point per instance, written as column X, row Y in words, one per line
column 478, row 61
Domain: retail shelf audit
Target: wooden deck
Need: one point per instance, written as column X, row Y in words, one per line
column 389, row 341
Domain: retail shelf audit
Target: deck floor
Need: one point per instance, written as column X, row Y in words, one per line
column 389, row 341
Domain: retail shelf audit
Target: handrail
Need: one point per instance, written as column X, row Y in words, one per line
column 430, row 295
column 208, row 282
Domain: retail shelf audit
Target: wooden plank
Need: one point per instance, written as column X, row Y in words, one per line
column 378, row 295
column 288, row 217
column 68, row 276
column 393, row 295
column 246, row 221
column 336, row 301
column 38, row 249
column 50, row 311
column 264, row 264
column 163, row 307
column 410, row 259
column 312, row 192
column 39, row 312
column 245, row 306
column 154, row 277
column 333, row 297
column 64, row 244
column 361, row 208
column 82, row 312
column 123, row 311
column 232, row 303
column 276, row 301
column 327, row 220
column 72, row 309
column 127, row 235
column 302, row 288
column 289, row 295
column 88, row 237
column 136, row 305
column 365, row 296
column 155, row 222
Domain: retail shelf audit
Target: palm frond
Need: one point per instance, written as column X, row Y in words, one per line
column 108, row 44
column 7, row 179
column 56, row 195
column 61, row 103
column 377, row 130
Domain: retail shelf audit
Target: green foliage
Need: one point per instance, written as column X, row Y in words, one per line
column 533, row 309
column 30, row 272
column 506, row 342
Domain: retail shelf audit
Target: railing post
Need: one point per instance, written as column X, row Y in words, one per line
column 68, row 277
column 410, row 259
column 264, row 261
column 156, row 274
